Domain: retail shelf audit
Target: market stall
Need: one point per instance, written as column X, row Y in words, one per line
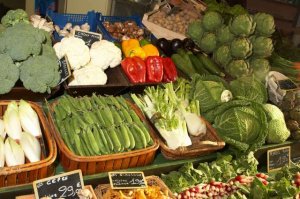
column 194, row 100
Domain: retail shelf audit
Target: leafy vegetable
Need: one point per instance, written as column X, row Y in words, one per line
column 242, row 25
column 242, row 126
column 211, row 21
column 248, row 88
column 241, row 48
column 265, row 24
column 208, row 91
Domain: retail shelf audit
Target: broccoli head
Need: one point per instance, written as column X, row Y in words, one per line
column 21, row 41
column 9, row 73
column 40, row 73
column 13, row 17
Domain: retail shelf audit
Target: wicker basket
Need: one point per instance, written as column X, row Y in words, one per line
column 103, row 163
column 30, row 172
column 100, row 190
column 200, row 145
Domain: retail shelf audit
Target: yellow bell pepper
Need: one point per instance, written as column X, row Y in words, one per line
column 150, row 50
column 128, row 45
column 137, row 52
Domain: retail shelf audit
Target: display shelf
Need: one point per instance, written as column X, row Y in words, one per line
column 159, row 166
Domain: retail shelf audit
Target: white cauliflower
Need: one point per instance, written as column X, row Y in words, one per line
column 105, row 54
column 89, row 75
column 76, row 51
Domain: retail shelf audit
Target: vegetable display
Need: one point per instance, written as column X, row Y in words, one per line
column 236, row 44
column 173, row 114
column 26, row 52
column 19, row 130
column 100, row 125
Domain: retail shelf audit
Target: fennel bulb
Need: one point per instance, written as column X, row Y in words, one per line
column 12, row 122
column 31, row 147
column 29, row 119
column 14, row 154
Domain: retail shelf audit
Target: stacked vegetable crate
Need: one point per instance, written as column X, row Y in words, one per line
column 29, row 172
column 93, row 137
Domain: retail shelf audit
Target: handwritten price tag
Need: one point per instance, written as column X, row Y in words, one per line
column 65, row 185
column 278, row 158
column 127, row 180
column 88, row 37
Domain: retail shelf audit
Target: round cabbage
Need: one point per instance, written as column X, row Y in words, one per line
column 241, row 48
column 211, row 21
column 222, row 55
column 208, row 43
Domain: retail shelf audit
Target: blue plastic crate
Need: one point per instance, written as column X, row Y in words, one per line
column 106, row 35
column 61, row 20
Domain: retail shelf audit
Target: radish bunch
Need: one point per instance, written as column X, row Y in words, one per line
column 218, row 190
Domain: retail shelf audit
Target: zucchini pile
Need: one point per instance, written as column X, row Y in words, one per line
column 100, row 125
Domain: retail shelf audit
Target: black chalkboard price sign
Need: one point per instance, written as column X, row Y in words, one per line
column 64, row 185
column 64, row 69
column 278, row 158
column 88, row 37
column 127, row 180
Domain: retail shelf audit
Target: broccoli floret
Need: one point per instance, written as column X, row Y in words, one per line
column 40, row 73
column 21, row 40
column 13, row 17
column 9, row 73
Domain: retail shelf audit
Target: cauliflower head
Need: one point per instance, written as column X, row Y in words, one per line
column 75, row 49
column 21, row 41
column 40, row 73
column 9, row 73
column 13, row 17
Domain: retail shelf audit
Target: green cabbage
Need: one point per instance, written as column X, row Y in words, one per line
column 208, row 42
column 238, row 68
column 241, row 124
column 260, row 68
column 211, row 21
column 265, row 25
column 222, row 55
column 242, row 25
column 241, row 48
column 277, row 130
column 224, row 35
column 262, row 47
column 249, row 88
column 208, row 90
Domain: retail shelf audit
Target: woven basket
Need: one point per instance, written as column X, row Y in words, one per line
column 30, row 172
column 100, row 190
column 103, row 163
column 200, row 145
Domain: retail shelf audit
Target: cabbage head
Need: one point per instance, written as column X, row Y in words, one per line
column 208, row 42
column 241, row 124
column 195, row 31
column 241, row 48
column 211, row 21
column 277, row 130
column 242, row 25
column 238, row 68
column 249, row 88
column 260, row 68
column 222, row 55
column 262, row 47
column 208, row 90
column 224, row 35
column 265, row 25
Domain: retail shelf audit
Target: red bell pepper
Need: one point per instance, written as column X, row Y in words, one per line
column 135, row 69
column 154, row 69
column 170, row 72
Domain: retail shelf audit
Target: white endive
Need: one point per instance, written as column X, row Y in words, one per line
column 14, row 154
column 2, row 129
column 12, row 122
column 31, row 147
column 2, row 153
column 29, row 119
